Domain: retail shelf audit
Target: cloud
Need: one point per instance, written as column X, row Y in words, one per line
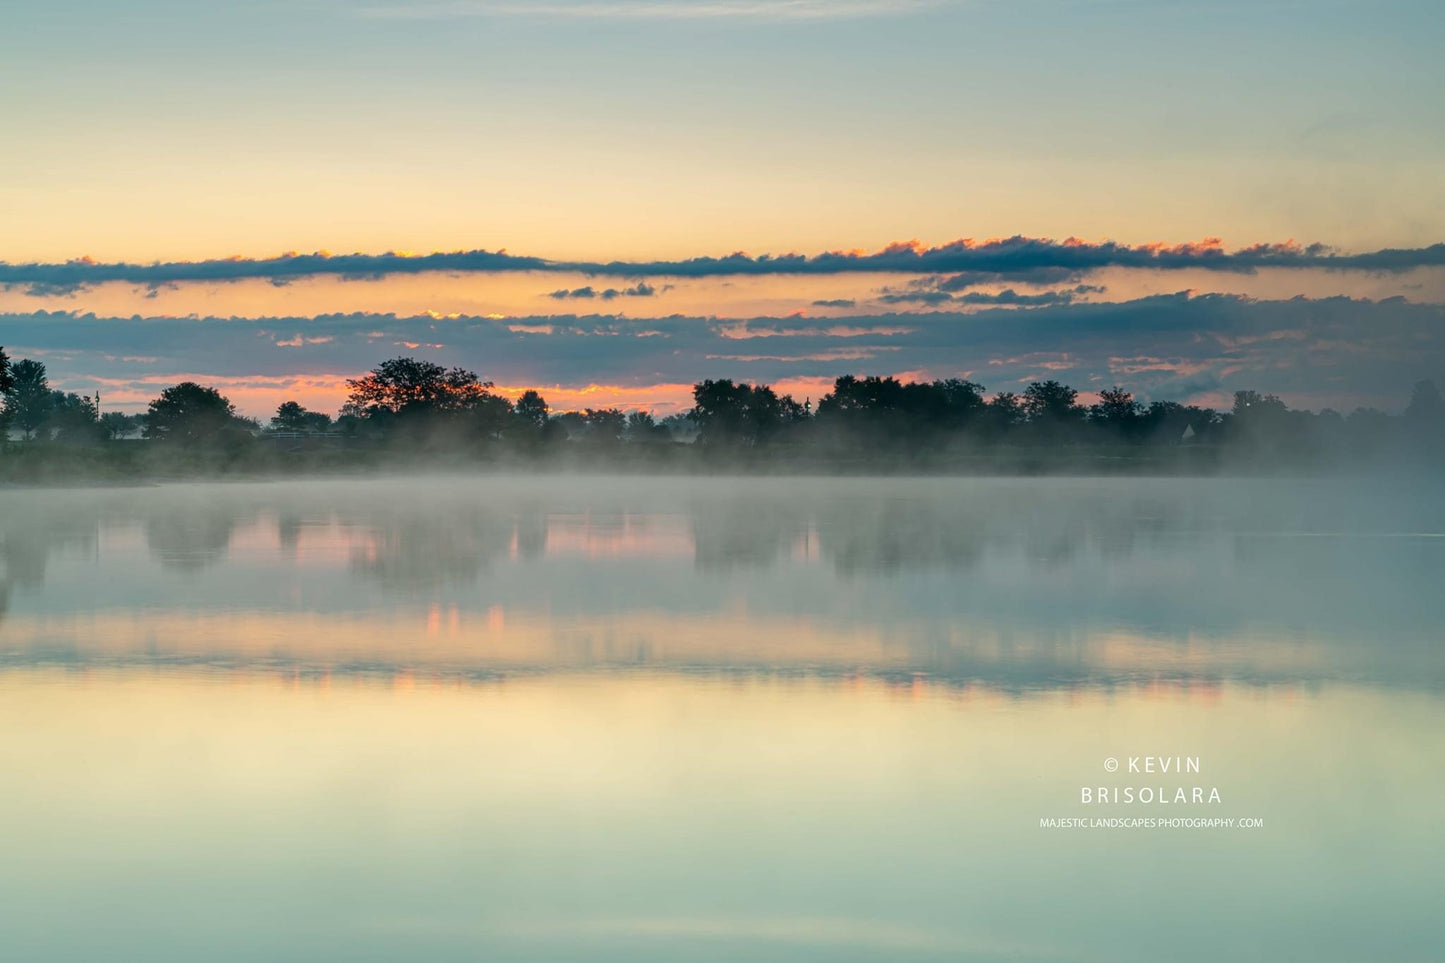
column 920, row 293
column 761, row 328
column 764, row 11
column 1031, row 259
column 969, row 262
column 834, row 303
column 639, row 290
column 1337, row 351
column 51, row 289
column 301, row 341
column 67, row 276
column 859, row 353
column 915, row 297
column 1040, row 276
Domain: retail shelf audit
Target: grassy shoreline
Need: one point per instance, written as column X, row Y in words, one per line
column 29, row 464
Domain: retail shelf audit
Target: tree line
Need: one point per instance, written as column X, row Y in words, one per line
column 406, row 402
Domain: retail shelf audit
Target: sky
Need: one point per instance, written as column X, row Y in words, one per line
column 1182, row 198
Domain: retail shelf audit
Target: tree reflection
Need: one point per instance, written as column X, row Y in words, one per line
column 28, row 539
column 191, row 537
column 425, row 549
column 897, row 535
column 746, row 532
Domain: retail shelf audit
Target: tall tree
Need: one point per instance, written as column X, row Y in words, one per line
column 720, row 409
column 189, row 413
column 439, row 401
column 405, row 386
column 29, row 401
column 531, row 410
column 5, row 385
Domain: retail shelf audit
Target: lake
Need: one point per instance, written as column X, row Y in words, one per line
column 586, row 718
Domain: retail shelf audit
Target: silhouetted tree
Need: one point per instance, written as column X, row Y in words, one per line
column 1252, row 404
column 1169, row 422
column 1004, row 410
column 1366, row 430
column 73, row 418
column 1425, row 419
column 1051, row 401
column 852, row 395
column 642, row 427
column 605, row 424
column 349, row 423
column 1052, row 410
column 532, row 423
column 572, row 424
column 29, row 400
column 963, row 398
column 1265, row 423
column 488, row 416
column 680, row 426
column 741, row 413
column 1426, row 404
column 883, row 416
column 531, row 410
column 6, row 384
column 1115, row 405
column 407, row 386
column 115, row 425
column 879, row 412
column 640, row 424
column 291, row 416
column 720, row 409
column 1117, row 413
column 189, row 413
column 428, row 397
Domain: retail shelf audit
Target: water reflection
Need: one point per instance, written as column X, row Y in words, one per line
column 657, row 720
column 659, row 817
column 418, row 548
column 1011, row 583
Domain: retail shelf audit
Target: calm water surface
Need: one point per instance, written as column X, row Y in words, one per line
column 647, row 719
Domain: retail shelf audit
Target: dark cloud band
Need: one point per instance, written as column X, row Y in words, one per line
column 1021, row 259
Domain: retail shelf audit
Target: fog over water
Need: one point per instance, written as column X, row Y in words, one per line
column 573, row 717
column 1010, row 582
